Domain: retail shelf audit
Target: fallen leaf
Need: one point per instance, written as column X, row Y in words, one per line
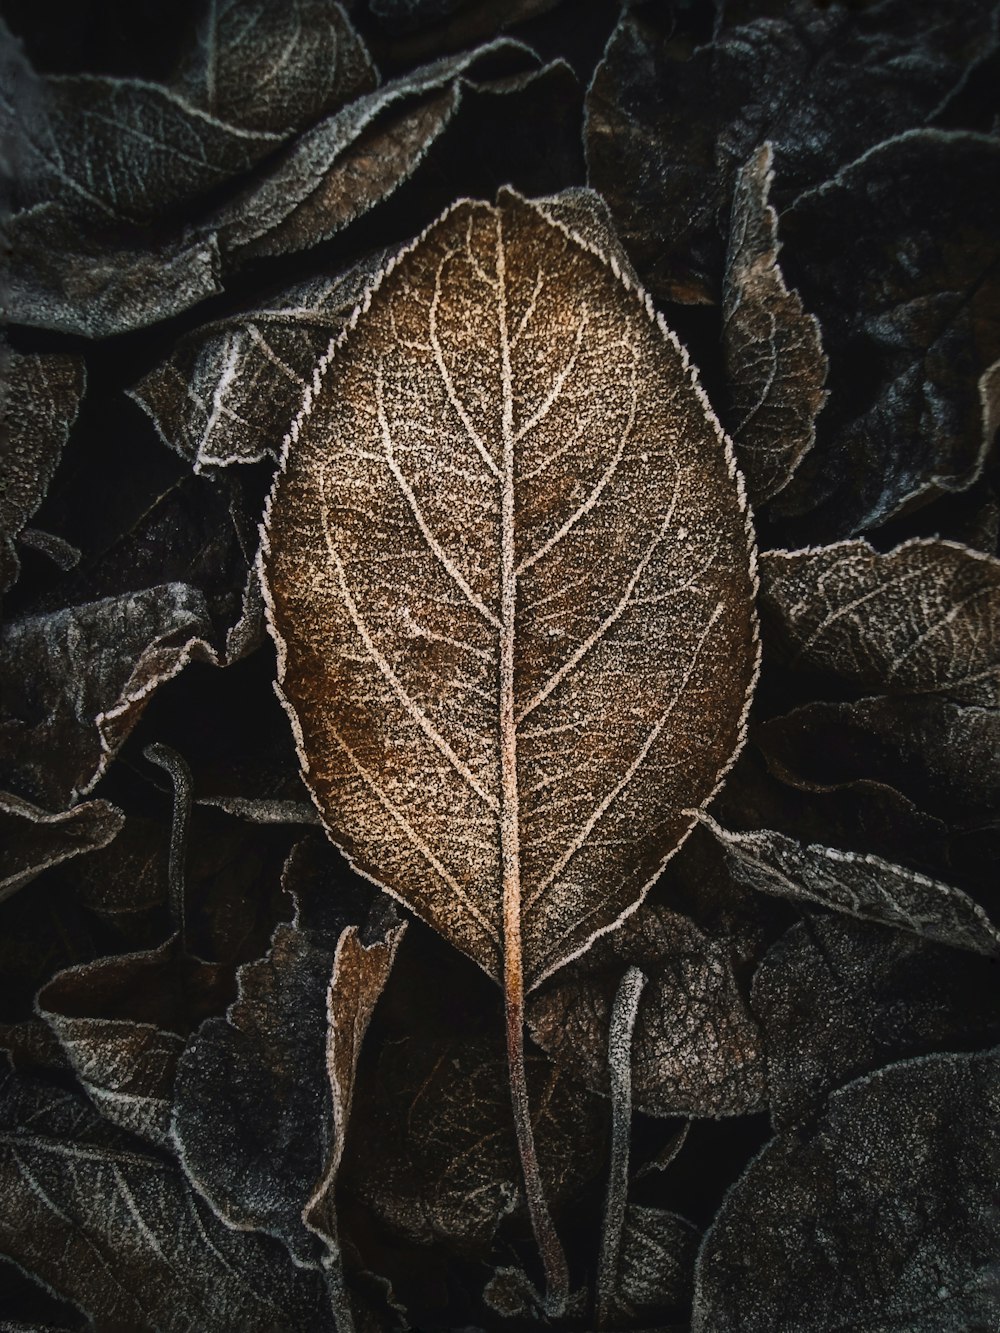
column 306, row 59
column 944, row 756
column 864, row 886
column 909, row 308
column 838, row 998
column 884, row 1217
column 115, row 1229
column 696, row 1049
column 206, row 400
column 33, row 839
column 76, row 681
column 775, row 365
column 656, row 1266
column 672, row 116
column 414, row 770
column 39, row 399
column 921, row 619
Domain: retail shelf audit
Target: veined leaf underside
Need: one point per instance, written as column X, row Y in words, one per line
column 511, row 573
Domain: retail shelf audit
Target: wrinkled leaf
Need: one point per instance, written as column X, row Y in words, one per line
column 122, row 1023
column 774, row 356
column 903, row 249
column 883, row 1218
column 670, row 121
column 76, row 681
column 33, row 839
column 944, row 756
column 839, row 998
column 305, row 56
column 255, row 1120
column 206, row 400
column 39, row 399
column 521, row 537
column 696, row 1049
column 921, row 619
column 116, row 1230
column 656, row 1267
column 863, row 886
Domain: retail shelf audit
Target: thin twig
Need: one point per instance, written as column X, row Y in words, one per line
column 180, row 775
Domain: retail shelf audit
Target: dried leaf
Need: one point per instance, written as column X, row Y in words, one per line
column 696, row 1049
column 656, row 1268
column 123, row 1021
column 883, row 1218
column 839, row 998
column 672, row 117
column 206, row 400
column 76, row 681
column 337, row 171
column 921, row 619
column 574, row 507
column 116, row 1230
column 944, row 756
column 774, row 357
column 39, row 399
column 33, row 839
column 254, row 1121
column 863, row 886
column 910, row 323
column 305, row 56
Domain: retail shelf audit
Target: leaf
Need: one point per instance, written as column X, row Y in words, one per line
column 671, row 116
column 122, row 1022
column 39, row 399
column 943, row 755
column 306, row 59
column 696, row 1049
column 256, row 1122
column 901, row 1171
column 774, row 356
column 838, row 998
column 115, row 1229
column 921, row 619
column 657, row 1259
column 864, row 886
column 350, row 161
column 206, row 399
column 76, row 681
column 470, row 631
column 33, row 839
column 911, row 327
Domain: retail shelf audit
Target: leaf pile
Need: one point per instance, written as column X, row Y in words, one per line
column 416, row 365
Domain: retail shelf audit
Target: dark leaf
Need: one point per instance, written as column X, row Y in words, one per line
column 123, row 1022
column 696, row 1049
column 230, row 391
column 775, row 367
column 656, row 1267
column 921, row 619
column 76, row 681
column 899, row 259
column 882, row 1218
column 863, row 886
column 39, row 398
column 944, row 756
column 116, row 1230
column 669, row 121
column 33, row 839
column 839, row 998
column 305, row 57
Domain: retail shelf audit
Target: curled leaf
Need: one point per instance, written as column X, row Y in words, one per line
column 33, row 839
column 523, row 535
column 921, row 619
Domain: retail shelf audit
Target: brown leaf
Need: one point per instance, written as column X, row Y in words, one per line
column 921, row 619
column 510, row 575
column 696, row 1049
column 864, row 886
column 775, row 365
column 39, row 399
column 33, row 839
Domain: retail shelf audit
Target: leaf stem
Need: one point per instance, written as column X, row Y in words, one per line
column 623, row 1015
column 180, row 775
